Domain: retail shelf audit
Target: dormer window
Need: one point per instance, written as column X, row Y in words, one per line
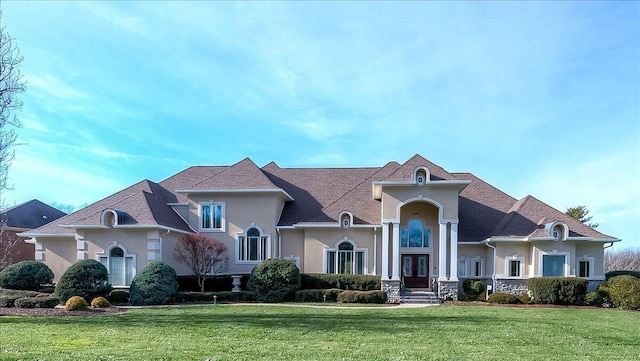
column 345, row 219
column 557, row 231
column 421, row 176
column 212, row 216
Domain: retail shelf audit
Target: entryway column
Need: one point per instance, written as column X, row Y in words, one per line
column 453, row 261
column 442, row 253
column 385, row 251
column 396, row 252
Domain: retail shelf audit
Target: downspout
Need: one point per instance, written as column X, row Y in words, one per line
column 375, row 250
column 493, row 274
column 279, row 243
column 605, row 247
column 162, row 235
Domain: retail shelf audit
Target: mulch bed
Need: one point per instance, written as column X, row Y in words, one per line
column 59, row 311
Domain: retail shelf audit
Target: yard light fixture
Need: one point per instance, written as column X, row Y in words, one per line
column 215, row 299
column 324, row 298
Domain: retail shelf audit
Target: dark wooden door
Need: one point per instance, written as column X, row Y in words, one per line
column 415, row 270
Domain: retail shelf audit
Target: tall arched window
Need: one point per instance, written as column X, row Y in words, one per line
column 121, row 266
column 416, row 234
column 345, row 259
column 253, row 246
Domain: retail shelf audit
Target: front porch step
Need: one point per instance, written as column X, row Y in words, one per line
column 420, row 296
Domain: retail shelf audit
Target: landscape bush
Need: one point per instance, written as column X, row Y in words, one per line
column 558, row 290
column 274, row 280
column 318, row 295
column 8, row 301
column 612, row 274
column 595, row 298
column 210, row 297
column 37, row 302
column 341, row 281
column 18, row 293
column 76, row 303
column 472, row 288
column 503, row 298
column 155, row 285
column 26, row 275
column 100, row 302
column 87, row 278
column 623, row 291
column 118, row 297
column 362, row 297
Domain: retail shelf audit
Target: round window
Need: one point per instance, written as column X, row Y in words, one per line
column 420, row 179
column 345, row 222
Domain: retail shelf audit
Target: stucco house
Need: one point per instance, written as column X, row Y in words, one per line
column 21, row 218
column 414, row 224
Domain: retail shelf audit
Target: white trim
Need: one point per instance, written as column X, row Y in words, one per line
column 586, row 258
column 266, row 253
column 567, row 262
column 356, row 249
column 223, row 219
column 326, row 225
column 507, row 267
column 376, row 186
column 106, row 253
column 231, row 191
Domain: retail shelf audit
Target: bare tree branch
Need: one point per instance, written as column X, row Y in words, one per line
column 205, row 257
column 623, row 260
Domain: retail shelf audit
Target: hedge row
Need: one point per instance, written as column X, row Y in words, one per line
column 318, row 295
column 341, row 281
column 558, row 290
column 216, row 284
column 362, row 297
column 209, row 297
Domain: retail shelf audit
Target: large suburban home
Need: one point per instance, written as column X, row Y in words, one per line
column 21, row 218
column 415, row 225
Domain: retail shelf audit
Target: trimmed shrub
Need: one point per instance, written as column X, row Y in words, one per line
column 318, row 295
column 37, row 302
column 87, row 278
column 208, row 297
column 595, row 298
column 524, row 298
column 503, row 298
column 341, row 281
column 623, row 291
column 362, row 297
column 472, row 288
column 155, row 285
column 100, row 302
column 26, row 275
column 558, row 290
column 76, row 303
column 118, row 297
column 612, row 274
column 274, row 280
column 18, row 293
column 8, row 301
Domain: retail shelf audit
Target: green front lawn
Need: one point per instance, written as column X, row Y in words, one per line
column 228, row 332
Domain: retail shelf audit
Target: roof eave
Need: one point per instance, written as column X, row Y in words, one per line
column 285, row 195
column 378, row 185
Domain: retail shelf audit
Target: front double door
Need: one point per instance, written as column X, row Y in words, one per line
column 415, row 270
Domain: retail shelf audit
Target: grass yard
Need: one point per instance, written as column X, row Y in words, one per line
column 228, row 332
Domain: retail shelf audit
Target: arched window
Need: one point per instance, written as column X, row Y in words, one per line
column 416, row 234
column 253, row 246
column 121, row 266
column 345, row 259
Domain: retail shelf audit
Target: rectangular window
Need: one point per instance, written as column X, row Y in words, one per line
column 514, row 268
column 478, row 269
column 462, row 269
column 553, row 265
column 331, row 262
column 359, row 263
column 212, row 216
column 583, row 269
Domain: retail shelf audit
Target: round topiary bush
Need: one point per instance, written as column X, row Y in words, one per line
column 87, row 278
column 155, row 285
column 274, row 280
column 623, row 291
column 100, row 302
column 472, row 288
column 118, row 296
column 26, row 275
column 76, row 303
column 503, row 298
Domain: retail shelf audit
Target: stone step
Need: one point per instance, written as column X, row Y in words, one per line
column 422, row 296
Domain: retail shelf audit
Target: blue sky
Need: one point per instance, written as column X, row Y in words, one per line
column 539, row 98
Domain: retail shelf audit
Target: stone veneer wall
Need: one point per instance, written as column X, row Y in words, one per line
column 514, row 287
column 448, row 290
column 392, row 288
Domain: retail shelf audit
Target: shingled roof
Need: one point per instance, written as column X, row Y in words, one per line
column 321, row 194
column 30, row 215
